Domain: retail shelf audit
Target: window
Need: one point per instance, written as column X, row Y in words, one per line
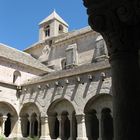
column 16, row 77
column 60, row 28
column 63, row 63
column 71, row 56
column 100, row 49
column 47, row 31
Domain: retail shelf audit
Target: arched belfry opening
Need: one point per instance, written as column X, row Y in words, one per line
column 62, row 120
column 61, row 28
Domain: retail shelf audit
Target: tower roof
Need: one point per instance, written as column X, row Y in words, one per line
column 53, row 16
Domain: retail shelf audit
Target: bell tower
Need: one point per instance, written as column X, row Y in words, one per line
column 51, row 26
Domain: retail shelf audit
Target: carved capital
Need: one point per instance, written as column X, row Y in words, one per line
column 119, row 23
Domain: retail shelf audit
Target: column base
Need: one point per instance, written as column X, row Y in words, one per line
column 81, row 138
column 45, row 138
column 14, row 135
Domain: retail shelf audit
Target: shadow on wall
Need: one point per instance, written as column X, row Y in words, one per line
column 92, row 85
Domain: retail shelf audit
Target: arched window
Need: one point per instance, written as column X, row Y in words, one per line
column 63, row 63
column 60, row 28
column 47, row 31
column 16, row 77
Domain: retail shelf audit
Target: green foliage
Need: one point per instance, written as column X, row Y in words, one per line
column 2, row 138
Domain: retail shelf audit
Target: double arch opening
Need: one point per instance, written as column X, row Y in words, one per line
column 98, row 118
column 62, row 120
column 8, row 119
column 30, row 121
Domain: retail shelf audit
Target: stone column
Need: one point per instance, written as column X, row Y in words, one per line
column 100, row 125
column 19, row 132
column 14, row 127
column 81, row 128
column 45, row 134
column 119, row 23
column 4, row 118
column 30, row 126
column 60, row 128
column 63, row 117
column 71, row 128
column 39, row 129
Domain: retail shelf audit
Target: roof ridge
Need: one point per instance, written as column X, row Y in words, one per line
column 53, row 15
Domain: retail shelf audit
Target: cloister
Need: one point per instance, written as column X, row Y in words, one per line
column 63, row 123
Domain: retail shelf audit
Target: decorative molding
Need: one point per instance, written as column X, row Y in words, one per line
column 118, row 22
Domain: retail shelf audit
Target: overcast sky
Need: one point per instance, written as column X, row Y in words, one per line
column 19, row 18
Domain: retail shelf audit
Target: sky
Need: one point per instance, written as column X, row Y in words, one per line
column 19, row 19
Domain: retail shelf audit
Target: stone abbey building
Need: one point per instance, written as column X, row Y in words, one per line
column 58, row 88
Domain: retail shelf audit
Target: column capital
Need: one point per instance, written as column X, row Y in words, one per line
column 59, row 118
column 44, row 118
column 70, row 117
column 4, row 118
column 98, row 114
column 119, row 24
column 80, row 117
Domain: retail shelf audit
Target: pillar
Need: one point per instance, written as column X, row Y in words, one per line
column 14, row 127
column 71, row 127
column 63, row 117
column 118, row 22
column 39, row 128
column 45, row 134
column 100, row 125
column 30, row 126
column 81, row 128
column 4, row 118
column 60, row 128
column 19, row 132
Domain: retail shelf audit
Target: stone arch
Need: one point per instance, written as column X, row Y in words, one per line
column 99, row 102
column 94, row 111
column 58, row 98
column 61, row 114
column 36, row 104
column 8, row 119
column 30, row 120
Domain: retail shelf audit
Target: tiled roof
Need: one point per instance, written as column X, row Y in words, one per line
column 15, row 55
column 52, row 16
